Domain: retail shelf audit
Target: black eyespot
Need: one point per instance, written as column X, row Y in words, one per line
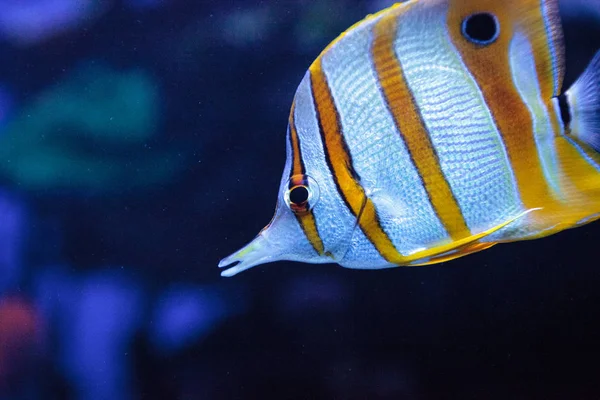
column 299, row 195
column 482, row 28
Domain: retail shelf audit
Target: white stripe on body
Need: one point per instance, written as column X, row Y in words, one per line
column 526, row 81
column 469, row 146
column 335, row 221
column 380, row 156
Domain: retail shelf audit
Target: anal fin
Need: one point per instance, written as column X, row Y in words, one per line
column 457, row 253
column 468, row 245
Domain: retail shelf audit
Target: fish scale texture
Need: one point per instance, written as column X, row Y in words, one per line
column 469, row 146
column 379, row 154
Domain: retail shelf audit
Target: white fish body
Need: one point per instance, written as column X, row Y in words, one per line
column 432, row 130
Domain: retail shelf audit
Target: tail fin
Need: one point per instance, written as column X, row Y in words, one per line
column 584, row 106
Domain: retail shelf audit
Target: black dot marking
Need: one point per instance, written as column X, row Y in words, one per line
column 482, row 28
column 565, row 112
column 299, row 195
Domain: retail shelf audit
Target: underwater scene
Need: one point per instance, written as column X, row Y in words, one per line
column 142, row 144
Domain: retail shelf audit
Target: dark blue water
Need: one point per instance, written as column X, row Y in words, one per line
column 143, row 140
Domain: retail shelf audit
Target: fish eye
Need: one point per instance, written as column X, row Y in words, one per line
column 299, row 195
column 302, row 193
column 481, row 28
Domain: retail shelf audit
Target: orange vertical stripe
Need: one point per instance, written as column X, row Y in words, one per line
column 490, row 65
column 342, row 170
column 579, row 180
column 297, row 164
column 409, row 123
column 537, row 32
column 575, row 172
column 306, row 220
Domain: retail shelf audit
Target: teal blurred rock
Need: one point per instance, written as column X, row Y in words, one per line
column 96, row 131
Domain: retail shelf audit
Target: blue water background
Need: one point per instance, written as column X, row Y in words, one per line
column 143, row 140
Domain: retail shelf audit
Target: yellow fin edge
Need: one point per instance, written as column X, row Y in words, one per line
column 458, row 248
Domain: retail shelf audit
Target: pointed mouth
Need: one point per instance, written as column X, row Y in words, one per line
column 257, row 252
column 262, row 251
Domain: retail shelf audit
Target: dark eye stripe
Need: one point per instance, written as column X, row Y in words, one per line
column 304, row 216
column 565, row 112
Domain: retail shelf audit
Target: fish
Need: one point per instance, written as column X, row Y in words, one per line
column 432, row 130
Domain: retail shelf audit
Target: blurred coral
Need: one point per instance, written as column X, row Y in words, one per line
column 20, row 334
column 28, row 22
column 97, row 316
column 185, row 314
column 81, row 133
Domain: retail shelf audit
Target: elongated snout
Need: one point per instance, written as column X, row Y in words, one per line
column 258, row 251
